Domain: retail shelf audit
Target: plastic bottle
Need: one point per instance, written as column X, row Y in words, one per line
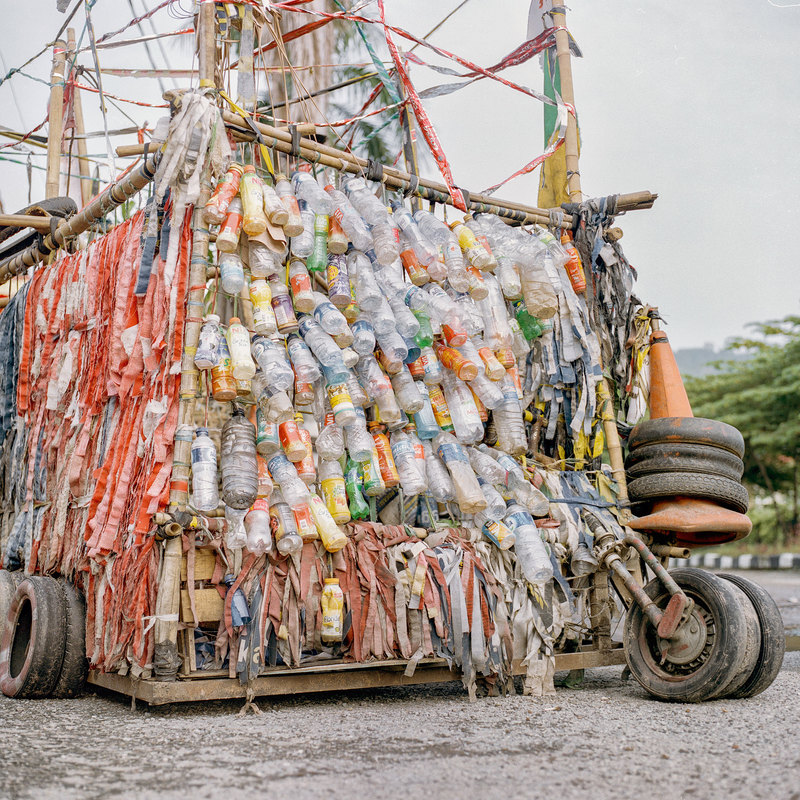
column 341, row 403
column 207, row 353
column 264, row 263
column 283, row 472
column 273, row 207
column 452, row 359
column 332, row 602
column 364, row 201
column 282, row 306
column 508, row 278
column 257, row 526
column 440, row 484
column 317, row 261
column 333, row 539
column 430, row 364
column 385, row 237
column 431, row 227
column 463, row 411
column 338, row 281
column 407, row 392
column 302, row 244
column 337, row 238
column 423, row 249
column 424, row 419
column 573, row 265
column 359, row 509
column 424, row 336
column 300, row 283
column 476, row 253
column 223, row 385
column 284, row 527
column 293, row 445
column 239, row 465
column 405, row 460
column 419, row 450
column 373, row 480
column 217, row 206
column 304, row 520
column 306, row 469
column 231, row 273
column 388, row 468
column 235, row 535
column 358, row 440
column 368, row 293
column 263, row 315
column 497, row 333
column 468, row 493
column 357, row 395
column 228, row 234
column 328, row 316
column 363, row 335
column 330, row 441
column 530, row 326
column 271, row 359
column 350, row 220
column 441, row 410
column 495, row 371
column 264, row 478
column 532, row 555
column 205, row 491
column 294, row 223
column 494, row 530
column 334, row 493
column 306, row 188
column 389, row 411
column 305, row 365
column 254, row 220
column 393, row 348
column 509, row 423
column 240, row 613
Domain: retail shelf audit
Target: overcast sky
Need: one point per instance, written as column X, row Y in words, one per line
column 696, row 103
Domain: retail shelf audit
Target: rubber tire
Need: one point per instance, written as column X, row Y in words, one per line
column 660, row 457
column 773, row 637
column 689, row 430
column 728, row 493
column 32, row 648
column 9, row 581
column 724, row 660
column 752, row 647
column 74, row 667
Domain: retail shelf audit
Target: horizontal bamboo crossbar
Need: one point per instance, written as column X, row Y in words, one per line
column 25, row 221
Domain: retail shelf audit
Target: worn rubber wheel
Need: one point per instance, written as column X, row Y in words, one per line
column 8, row 588
column 690, row 484
column 709, row 653
column 688, row 430
column 32, row 648
column 773, row 638
column 74, row 667
column 681, row 457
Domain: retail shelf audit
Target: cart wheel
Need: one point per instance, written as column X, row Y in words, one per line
column 712, row 645
column 773, row 638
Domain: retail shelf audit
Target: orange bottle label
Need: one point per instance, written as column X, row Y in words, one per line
column 441, row 411
column 386, row 461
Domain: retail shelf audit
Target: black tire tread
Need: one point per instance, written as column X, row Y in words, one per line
column 74, row 667
column 689, row 430
column 681, row 457
column 728, row 493
column 773, row 637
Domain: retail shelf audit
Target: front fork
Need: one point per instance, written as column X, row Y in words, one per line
column 609, row 550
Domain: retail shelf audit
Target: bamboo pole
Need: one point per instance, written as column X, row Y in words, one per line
column 55, row 118
column 409, row 143
column 25, row 221
column 166, row 660
column 568, row 96
column 79, row 130
column 115, row 195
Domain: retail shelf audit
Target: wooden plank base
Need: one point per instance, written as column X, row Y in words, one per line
column 321, row 677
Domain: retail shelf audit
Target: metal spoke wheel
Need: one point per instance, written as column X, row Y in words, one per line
column 712, row 649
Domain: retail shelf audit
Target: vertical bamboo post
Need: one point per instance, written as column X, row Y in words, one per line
column 77, row 111
column 599, row 593
column 166, row 660
column 409, row 144
column 568, row 95
column 55, row 118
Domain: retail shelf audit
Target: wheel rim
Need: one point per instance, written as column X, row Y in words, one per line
column 686, row 655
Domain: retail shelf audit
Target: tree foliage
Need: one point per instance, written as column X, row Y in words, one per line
column 761, row 397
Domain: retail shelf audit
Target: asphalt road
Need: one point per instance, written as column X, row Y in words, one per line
column 604, row 740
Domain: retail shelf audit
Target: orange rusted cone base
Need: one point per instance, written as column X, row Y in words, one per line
column 687, row 521
column 667, row 395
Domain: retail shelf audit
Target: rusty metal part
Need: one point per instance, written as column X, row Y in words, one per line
column 667, row 551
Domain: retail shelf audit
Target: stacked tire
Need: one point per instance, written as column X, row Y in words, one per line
column 687, row 457
column 43, row 644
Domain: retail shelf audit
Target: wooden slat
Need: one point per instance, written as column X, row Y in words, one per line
column 207, row 602
column 204, row 561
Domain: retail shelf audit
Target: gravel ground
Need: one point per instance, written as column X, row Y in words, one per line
column 605, row 740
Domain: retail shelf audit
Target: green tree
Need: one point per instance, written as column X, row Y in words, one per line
column 761, row 397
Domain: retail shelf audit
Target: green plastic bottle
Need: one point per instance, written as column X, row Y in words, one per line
column 530, row 325
column 318, row 260
column 359, row 508
column 424, row 336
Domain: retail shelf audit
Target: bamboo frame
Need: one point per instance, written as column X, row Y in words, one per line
column 79, row 130
column 25, row 221
column 55, row 119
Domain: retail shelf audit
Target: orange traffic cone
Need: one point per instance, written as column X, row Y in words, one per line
column 687, row 521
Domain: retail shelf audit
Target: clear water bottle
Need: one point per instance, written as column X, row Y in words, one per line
column 239, row 347
column 235, row 535
column 508, row 276
column 363, row 335
column 364, row 201
column 497, row 333
column 385, row 242
column 302, row 244
column 532, row 555
column 509, row 423
column 432, row 228
column 468, row 492
column 287, row 539
column 300, row 284
column 303, row 361
column 294, row 222
column 330, row 441
column 332, row 321
column 263, row 314
column 406, row 323
column 407, row 391
column 419, row 450
column 440, row 484
column 390, row 412
column 382, row 318
column 321, row 344
column 231, row 273
column 284, row 473
column 425, row 419
column 257, row 528
column 273, row 207
column 357, row 393
column 307, row 189
column 463, row 411
column 487, row 391
column 372, row 376
column 263, row 262
column 205, row 490
column 271, row 359
column 405, row 460
column 393, row 348
column 423, row 249
column 207, row 354
column 487, row 467
column 351, row 221
column 358, row 440
column 239, row 465
column 368, row 293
